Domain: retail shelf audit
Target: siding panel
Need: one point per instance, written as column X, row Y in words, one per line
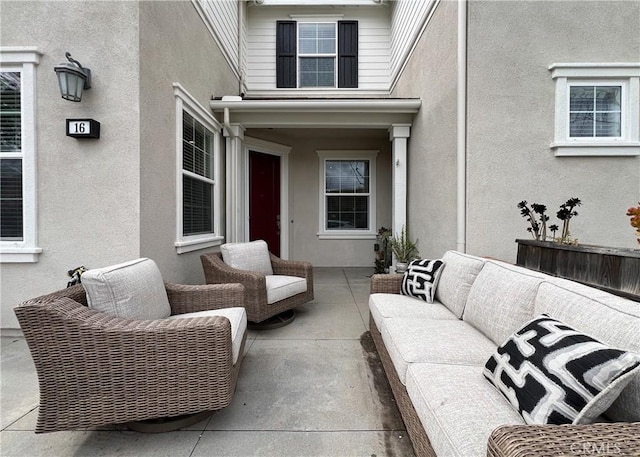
column 224, row 21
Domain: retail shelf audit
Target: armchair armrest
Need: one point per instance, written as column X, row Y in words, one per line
column 192, row 298
column 557, row 440
column 218, row 272
column 386, row 283
column 88, row 361
column 291, row 267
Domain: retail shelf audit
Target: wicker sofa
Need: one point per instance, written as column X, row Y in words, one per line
column 96, row 369
column 434, row 355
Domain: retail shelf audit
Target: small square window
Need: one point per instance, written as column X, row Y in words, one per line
column 597, row 111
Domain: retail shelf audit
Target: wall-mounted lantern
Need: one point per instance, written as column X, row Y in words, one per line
column 73, row 78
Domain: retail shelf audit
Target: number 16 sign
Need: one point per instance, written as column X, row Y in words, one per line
column 83, row 128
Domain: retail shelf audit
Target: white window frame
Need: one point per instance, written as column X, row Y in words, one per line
column 189, row 243
column 23, row 59
column 300, row 55
column 324, row 156
column 624, row 75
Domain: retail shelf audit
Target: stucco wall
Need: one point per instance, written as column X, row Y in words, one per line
column 175, row 46
column 304, row 190
column 88, row 199
column 511, row 120
column 431, row 75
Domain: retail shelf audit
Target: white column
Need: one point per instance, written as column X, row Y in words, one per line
column 235, row 177
column 398, row 134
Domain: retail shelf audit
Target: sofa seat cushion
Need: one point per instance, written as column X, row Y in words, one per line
column 131, row 290
column 610, row 319
column 413, row 340
column 252, row 256
column 501, row 299
column 280, row 287
column 396, row 305
column 458, row 275
column 237, row 317
column 457, row 407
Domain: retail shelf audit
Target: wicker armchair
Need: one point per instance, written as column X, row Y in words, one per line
column 95, row 369
column 218, row 272
column 509, row 440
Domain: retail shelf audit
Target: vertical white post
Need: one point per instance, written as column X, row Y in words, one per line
column 235, row 172
column 398, row 134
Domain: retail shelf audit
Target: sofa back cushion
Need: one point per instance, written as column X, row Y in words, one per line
column 610, row 319
column 501, row 299
column 132, row 290
column 459, row 272
column 252, row 256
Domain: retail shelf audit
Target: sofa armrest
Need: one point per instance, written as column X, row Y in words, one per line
column 192, row 298
column 386, row 283
column 609, row 439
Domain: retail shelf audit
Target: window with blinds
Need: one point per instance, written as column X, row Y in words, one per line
column 11, row 191
column 197, row 177
column 595, row 111
column 317, row 54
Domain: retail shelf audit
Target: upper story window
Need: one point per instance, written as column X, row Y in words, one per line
column 198, row 175
column 18, row 184
column 597, row 109
column 317, row 54
column 348, row 199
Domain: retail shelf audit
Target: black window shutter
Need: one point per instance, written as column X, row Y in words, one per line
column 286, row 54
column 348, row 54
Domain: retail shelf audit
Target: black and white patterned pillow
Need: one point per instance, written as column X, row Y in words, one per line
column 421, row 279
column 553, row 374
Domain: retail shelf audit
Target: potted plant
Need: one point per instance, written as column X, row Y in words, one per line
column 634, row 213
column 403, row 249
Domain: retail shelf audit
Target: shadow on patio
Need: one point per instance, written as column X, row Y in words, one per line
column 313, row 388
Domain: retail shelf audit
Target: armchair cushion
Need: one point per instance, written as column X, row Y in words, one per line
column 280, row 287
column 131, row 290
column 252, row 256
column 238, row 319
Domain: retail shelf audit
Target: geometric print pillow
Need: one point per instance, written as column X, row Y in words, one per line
column 553, row 374
column 421, row 279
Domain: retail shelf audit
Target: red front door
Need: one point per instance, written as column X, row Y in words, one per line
column 264, row 199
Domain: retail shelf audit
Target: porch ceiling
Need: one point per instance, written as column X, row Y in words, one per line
column 319, row 113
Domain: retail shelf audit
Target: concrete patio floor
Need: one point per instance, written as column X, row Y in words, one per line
column 313, row 388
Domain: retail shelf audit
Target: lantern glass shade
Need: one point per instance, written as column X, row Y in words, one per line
column 71, row 80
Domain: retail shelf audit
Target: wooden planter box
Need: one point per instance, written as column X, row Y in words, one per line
column 615, row 270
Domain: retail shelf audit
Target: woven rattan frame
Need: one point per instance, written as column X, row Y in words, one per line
column 218, row 272
column 617, row 439
column 95, row 369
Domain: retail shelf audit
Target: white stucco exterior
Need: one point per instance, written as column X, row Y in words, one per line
column 456, row 97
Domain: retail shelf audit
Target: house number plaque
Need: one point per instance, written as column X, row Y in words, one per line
column 83, row 128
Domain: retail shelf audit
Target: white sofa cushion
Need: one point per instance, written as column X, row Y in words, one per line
column 237, row 317
column 606, row 317
column 457, row 407
column 459, row 273
column 132, row 290
column 251, row 256
column 501, row 299
column 280, row 287
column 553, row 374
column 409, row 340
column 396, row 305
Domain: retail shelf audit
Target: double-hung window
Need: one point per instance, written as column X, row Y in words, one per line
column 347, row 194
column 198, row 162
column 597, row 109
column 18, row 185
column 317, row 54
